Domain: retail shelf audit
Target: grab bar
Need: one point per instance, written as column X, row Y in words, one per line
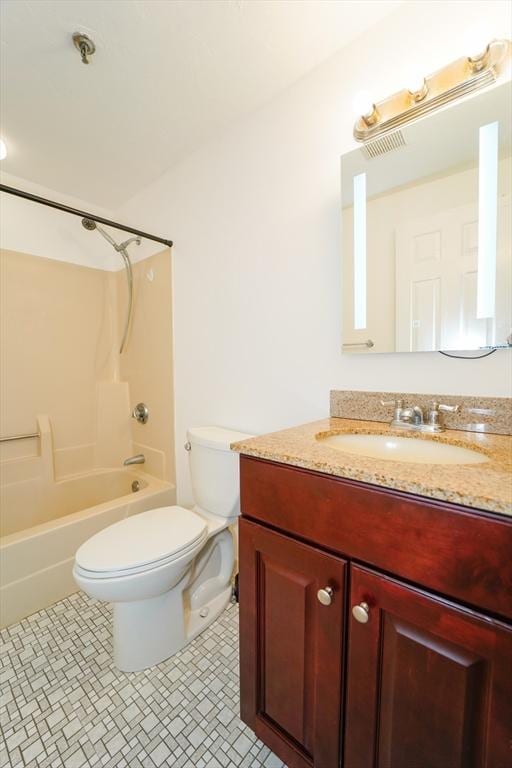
column 368, row 343
column 19, row 437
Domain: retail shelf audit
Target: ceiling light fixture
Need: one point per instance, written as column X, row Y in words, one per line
column 461, row 77
column 3, row 149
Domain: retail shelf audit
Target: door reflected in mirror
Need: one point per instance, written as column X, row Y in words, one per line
column 426, row 234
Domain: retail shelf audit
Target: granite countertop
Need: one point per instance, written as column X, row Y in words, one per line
column 486, row 486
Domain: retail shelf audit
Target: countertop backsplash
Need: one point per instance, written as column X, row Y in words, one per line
column 476, row 414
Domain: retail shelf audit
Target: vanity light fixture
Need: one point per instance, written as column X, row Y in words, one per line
column 461, row 77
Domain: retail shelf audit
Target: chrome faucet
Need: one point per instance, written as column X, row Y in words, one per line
column 139, row 458
column 412, row 418
column 413, row 415
column 434, row 423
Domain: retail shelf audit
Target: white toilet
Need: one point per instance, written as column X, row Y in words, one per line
column 168, row 571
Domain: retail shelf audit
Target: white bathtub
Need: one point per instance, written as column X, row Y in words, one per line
column 43, row 524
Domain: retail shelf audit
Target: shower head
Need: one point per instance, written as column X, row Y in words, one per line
column 88, row 224
column 91, row 225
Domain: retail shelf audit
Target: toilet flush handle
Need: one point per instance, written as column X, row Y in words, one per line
column 187, row 446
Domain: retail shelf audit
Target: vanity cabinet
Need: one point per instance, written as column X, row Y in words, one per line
column 429, row 684
column 375, row 626
column 291, row 645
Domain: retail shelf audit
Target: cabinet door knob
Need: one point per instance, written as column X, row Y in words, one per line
column 325, row 595
column 361, row 612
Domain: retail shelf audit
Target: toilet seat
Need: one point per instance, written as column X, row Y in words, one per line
column 141, row 543
column 139, row 569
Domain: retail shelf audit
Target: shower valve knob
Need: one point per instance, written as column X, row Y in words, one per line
column 140, row 413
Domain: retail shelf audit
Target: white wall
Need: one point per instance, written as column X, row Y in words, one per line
column 255, row 218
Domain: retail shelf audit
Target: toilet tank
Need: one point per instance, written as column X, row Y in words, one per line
column 214, row 469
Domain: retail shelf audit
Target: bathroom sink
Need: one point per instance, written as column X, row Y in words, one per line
column 408, row 449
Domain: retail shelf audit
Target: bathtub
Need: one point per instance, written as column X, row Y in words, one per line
column 43, row 523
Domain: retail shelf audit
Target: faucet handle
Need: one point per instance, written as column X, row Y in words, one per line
column 399, row 403
column 449, row 408
column 445, row 408
column 433, row 414
column 398, row 406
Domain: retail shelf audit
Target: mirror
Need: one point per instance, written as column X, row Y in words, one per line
column 426, row 233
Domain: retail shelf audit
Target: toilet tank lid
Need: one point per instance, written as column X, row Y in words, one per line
column 215, row 437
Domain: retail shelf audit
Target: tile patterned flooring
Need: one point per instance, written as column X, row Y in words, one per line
column 64, row 705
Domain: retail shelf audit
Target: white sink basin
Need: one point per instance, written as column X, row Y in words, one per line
column 407, row 449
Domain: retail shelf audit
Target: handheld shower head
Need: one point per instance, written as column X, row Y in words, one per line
column 89, row 224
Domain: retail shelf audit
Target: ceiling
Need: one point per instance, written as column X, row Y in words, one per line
column 167, row 76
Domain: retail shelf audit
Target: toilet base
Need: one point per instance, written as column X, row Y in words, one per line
column 151, row 630
column 147, row 632
column 197, row 623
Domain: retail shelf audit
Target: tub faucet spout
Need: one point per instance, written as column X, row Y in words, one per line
column 139, row 458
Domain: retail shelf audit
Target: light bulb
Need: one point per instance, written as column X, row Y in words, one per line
column 3, row 149
column 362, row 103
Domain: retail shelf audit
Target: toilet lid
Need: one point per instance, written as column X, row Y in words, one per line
column 142, row 539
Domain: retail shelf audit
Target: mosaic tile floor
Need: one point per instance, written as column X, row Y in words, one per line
column 64, row 705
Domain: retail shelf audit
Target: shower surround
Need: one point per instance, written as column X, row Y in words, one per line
column 62, row 376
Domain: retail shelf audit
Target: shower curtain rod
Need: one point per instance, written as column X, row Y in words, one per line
column 81, row 214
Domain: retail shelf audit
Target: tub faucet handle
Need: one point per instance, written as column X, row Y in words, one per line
column 141, row 413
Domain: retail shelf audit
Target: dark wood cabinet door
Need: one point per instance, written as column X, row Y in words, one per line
column 291, row 646
column 429, row 684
